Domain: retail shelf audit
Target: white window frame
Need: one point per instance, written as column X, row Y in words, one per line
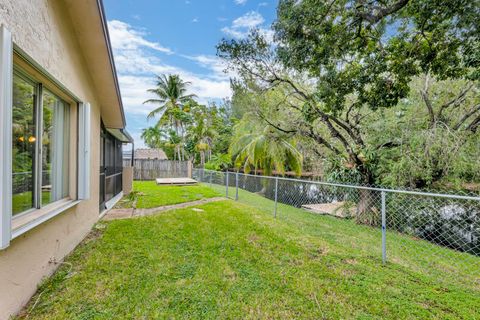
column 6, row 92
column 14, row 226
column 39, row 89
column 84, row 136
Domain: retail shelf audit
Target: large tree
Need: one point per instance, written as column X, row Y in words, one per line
column 338, row 61
column 360, row 57
column 171, row 95
column 201, row 131
column 153, row 137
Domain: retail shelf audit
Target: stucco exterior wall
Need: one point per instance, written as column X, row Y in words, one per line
column 127, row 180
column 43, row 29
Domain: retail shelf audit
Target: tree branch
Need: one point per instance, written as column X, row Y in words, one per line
column 262, row 116
column 428, row 103
column 320, row 140
column 390, row 144
column 380, row 13
column 465, row 117
column 474, row 125
column 455, row 101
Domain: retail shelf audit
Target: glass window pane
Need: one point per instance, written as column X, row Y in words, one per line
column 109, row 188
column 55, row 148
column 109, row 156
column 23, row 145
column 118, row 157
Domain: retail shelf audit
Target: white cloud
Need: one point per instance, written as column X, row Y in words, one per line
column 137, row 67
column 138, row 60
column 241, row 2
column 263, row 4
column 216, row 66
column 234, row 33
column 251, row 19
column 124, row 37
column 243, row 25
column 195, row 20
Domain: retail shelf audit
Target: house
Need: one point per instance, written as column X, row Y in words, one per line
column 150, row 154
column 62, row 128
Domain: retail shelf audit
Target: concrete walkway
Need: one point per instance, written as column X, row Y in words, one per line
column 115, row 214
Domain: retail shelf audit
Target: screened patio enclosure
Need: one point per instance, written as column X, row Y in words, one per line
column 111, row 164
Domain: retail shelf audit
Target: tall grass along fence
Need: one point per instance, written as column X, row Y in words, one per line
column 151, row 169
column 445, row 228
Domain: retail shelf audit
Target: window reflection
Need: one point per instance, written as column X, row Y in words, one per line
column 55, row 148
column 23, row 144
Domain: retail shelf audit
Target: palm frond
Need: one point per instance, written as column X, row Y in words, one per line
column 156, row 111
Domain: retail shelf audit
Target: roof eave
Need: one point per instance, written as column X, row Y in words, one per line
column 106, row 34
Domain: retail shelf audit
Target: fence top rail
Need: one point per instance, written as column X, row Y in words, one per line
column 352, row 186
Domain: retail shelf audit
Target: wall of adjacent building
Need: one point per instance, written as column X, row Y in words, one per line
column 43, row 29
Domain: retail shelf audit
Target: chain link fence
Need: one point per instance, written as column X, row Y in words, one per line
column 428, row 231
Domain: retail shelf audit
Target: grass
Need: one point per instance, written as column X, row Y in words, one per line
column 149, row 195
column 420, row 256
column 233, row 260
column 23, row 201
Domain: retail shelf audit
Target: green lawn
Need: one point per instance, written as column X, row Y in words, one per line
column 23, row 201
column 233, row 260
column 150, row 195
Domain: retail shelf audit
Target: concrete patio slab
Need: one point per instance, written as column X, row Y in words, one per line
column 336, row 209
column 175, row 181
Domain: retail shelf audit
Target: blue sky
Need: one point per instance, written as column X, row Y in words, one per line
column 177, row 37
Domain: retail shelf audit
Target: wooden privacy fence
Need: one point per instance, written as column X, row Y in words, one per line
column 146, row 169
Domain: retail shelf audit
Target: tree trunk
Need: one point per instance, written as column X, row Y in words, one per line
column 369, row 203
column 202, row 158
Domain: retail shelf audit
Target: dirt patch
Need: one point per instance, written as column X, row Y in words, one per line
column 317, row 252
column 115, row 214
column 350, row 261
column 151, row 211
column 253, row 238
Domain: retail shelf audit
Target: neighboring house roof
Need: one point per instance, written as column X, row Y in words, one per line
column 150, row 154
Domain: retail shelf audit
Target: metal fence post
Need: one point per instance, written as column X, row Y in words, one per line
column 276, row 197
column 226, row 185
column 384, row 228
column 236, row 186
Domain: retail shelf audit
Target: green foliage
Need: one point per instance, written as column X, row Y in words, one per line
column 174, row 110
column 187, row 129
column 219, row 161
column 428, row 149
column 171, row 94
column 343, row 70
column 264, row 148
column 153, row 137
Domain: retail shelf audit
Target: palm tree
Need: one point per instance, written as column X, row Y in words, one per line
column 153, row 136
column 171, row 96
column 265, row 149
column 201, row 131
